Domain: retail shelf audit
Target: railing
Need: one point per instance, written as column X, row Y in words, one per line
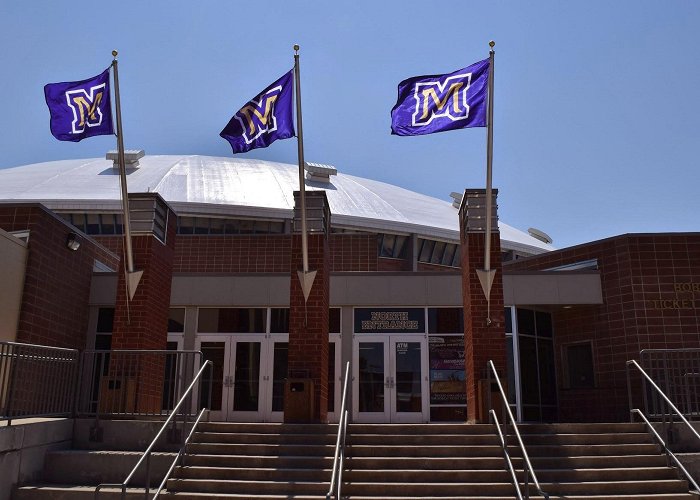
column 528, row 470
column 36, row 381
column 339, row 455
column 506, row 455
column 133, row 383
column 652, row 385
column 184, row 402
column 677, row 372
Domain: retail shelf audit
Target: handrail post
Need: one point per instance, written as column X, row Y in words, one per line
column 629, row 391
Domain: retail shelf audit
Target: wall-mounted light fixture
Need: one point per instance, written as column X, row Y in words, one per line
column 72, row 242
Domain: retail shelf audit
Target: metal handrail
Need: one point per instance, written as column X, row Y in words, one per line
column 669, row 453
column 506, row 456
column 179, row 454
column 528, row 469
column 39, row 396
column 146, row 455
column 661, row 393
column 339, row 455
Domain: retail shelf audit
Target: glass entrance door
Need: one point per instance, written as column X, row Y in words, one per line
column 247, row 384
column 390, row 379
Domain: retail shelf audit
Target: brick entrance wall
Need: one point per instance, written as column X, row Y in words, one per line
column 651, row 300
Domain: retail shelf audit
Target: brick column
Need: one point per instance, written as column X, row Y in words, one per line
column 308, row 320
column 142, row 323
column 482, row 341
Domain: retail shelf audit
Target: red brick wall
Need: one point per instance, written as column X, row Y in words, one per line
column 353, row 252
column 637, row 272
column 482, row 342
column 232, row 254
column 308, row 322
column 142, row 323
column 57, row 283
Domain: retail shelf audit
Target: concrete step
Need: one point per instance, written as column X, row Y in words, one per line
column 263, row 438
column 583, row 450
column 422, row 440
column 92, row 467
column 253, row 474
column 585, row 439
column 289, row 462
column 70, row 492
column 269, row 428
column 261, row 449
column 423, row 451
column 247, row 487
column 613, row 488
column 582, row 428
column 420, row 429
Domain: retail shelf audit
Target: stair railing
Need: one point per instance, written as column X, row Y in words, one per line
column 528, row 470
column 146, row 455
column 180, row 454
column 506, row 456
column 339, row 455
column 671, row 406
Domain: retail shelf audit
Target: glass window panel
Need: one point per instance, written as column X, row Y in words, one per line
column 232, row 226
column 449, row 254
column 262, row 227
column 107, row 223
column 246, row 385
column 508, row 320
column 246, row 226
column 399, row 247
column 579, row 360
column 276, row 227
column 510, row 369
column 528, row 371
column 201, row 225
column 279, row 320
column 176, row 320
column 78, row 220
column 548, row 383
column 185, row 225
column 118, row 228
column 105, row 320
column 438, row 252
column 408, row 377
column 103, row 342
column 331, row 377
column 544, row 324
column 526, row 321
column 456, row 262
column 279, row 374
column 170, row 378
column 371, row 375
column 334, row 320
column 231, row 320
column 387, row 246
column 216, row 226
column 445, row 320
column 92, row 224
column 213, row 380
column 426, row 250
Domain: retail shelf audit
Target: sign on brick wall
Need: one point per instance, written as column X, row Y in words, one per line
column 390, row 320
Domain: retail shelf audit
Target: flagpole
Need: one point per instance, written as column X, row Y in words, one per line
column 489, row 161
column 131, row 274
column 306, row 277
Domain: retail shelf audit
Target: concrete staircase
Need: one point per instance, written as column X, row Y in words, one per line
column 389, row 462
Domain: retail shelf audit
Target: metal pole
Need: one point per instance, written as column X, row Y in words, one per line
column 300, row 149
column 489, row 160
column 122, row 170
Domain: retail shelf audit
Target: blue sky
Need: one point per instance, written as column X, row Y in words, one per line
column 597, row 110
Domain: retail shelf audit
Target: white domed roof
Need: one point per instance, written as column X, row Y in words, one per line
column 241, row 188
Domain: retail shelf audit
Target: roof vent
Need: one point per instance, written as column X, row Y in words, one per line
column 319, row 172
column 131, row 158
column 456, row 199
column 540, row 235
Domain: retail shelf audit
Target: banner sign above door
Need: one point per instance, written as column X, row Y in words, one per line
column 390, row 320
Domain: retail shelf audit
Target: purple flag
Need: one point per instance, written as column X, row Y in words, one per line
column 80, row 109
column 435, row 103
column 265, row 118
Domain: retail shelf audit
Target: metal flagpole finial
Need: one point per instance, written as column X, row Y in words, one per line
column 492, row 44
column 296, row 48
column 114, row 54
